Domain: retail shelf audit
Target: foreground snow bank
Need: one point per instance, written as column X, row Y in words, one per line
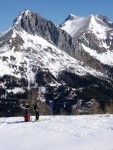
column 57, row 133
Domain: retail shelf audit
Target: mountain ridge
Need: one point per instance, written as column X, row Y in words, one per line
column 41, row 61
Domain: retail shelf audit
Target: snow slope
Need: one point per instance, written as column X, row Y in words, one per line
column 75, row 25
column 38, row 51
column 105, row 58
column 57, row 133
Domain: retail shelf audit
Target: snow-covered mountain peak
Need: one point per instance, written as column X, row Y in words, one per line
column 27, row 12
column 94, row 23
column 25, row 16
column 19, row 17
column 30, row 22
column 71, row 17
column 73, row 24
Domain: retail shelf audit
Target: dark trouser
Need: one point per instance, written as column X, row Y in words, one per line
column 37, row 115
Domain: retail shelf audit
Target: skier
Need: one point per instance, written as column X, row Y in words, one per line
column 36, row 109
column 27, row 114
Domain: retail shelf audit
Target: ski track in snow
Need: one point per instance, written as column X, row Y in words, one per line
column 57, row 133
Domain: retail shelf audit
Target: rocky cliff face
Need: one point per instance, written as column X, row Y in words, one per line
column 34, row 24
column 65, row 73
column 94, row 35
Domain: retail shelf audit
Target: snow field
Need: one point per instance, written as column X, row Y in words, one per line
column 92, row 132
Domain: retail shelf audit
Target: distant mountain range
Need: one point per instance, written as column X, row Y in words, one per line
column 67, row 69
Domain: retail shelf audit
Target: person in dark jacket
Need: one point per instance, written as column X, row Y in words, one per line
column 36, row 109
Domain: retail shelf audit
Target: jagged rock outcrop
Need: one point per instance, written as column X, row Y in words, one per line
column 33, row 23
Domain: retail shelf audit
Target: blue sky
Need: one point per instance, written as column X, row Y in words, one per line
column 54, row 10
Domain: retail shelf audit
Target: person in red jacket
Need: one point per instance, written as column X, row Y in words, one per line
column 27, row 114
